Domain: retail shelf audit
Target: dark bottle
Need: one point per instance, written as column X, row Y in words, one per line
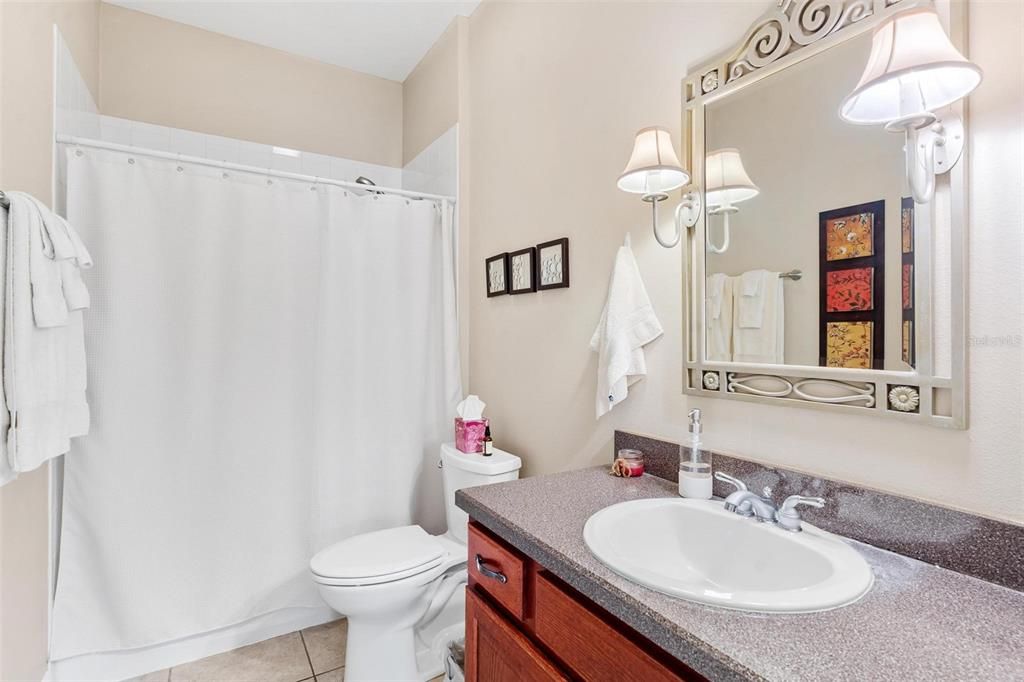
column 488, row 443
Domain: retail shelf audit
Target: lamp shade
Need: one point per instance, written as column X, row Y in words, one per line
column 725, row 179
column 913, row 69
column 653, row 167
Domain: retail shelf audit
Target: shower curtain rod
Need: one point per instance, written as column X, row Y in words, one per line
column 227, row 165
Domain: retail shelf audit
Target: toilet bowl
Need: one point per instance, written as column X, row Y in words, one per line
column 398, row 587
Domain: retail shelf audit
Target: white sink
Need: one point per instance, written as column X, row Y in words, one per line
column 696, row 550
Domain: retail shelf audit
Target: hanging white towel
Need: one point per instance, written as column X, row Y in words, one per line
column 627, row 324
column 62, row 243
column 718, row 313
column 754, row 288
column 761, row 342
column 7, row 472
column 43, row 346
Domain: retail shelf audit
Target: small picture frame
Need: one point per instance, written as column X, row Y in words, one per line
column 553, row 264
column 522, row 271
column 496, row 271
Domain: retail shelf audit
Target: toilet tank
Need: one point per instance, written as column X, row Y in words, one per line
column 460, row 470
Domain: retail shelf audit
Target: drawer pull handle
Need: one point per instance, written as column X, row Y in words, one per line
column 488, row 573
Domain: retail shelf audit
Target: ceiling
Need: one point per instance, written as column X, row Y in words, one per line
column 386, row 38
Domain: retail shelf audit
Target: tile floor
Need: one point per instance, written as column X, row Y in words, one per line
column 315, row 654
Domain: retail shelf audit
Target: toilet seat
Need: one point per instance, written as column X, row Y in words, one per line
column 379, row 557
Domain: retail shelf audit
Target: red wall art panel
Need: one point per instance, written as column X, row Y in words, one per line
column 847, row 290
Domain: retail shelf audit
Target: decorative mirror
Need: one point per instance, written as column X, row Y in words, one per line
column 812, row 275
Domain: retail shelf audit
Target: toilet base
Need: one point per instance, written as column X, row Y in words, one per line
column 376, row 652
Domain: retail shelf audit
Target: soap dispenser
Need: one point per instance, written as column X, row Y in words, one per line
column 695, row 466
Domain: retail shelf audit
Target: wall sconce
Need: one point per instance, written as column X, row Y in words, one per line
column 726, row 184
column 653, row 171
column 914, row 69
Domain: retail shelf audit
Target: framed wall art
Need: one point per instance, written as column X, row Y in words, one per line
column 496, row 271
column 522, row 271
column 908, row 342
column 553, row 264
column 852, row 280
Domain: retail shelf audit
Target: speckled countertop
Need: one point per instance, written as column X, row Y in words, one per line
column 918, row 622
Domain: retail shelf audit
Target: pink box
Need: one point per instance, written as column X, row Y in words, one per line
column 469, row 434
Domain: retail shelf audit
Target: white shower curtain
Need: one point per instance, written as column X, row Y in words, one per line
column 272, row 367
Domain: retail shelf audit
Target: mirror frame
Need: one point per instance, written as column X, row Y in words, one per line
column 788, row 33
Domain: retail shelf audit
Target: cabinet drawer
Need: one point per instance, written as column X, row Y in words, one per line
column 588, row 644
column 496, row 569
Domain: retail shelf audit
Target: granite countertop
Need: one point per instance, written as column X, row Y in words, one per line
column 918, row 622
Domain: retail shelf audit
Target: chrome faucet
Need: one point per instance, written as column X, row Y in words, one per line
column 788, row 517
column 747, row 503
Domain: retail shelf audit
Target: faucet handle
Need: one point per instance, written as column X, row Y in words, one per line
column 787, row 515
column 731, row 480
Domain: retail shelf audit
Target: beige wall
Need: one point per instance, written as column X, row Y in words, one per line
column 557, row 91
column 434, row 98
column 163, row 72
column 26, row 131
column 430, row 93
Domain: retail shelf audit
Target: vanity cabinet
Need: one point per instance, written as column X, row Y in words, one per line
column 498, row 652
column 523, row 624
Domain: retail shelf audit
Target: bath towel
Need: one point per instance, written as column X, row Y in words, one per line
column 753, row 292
column 57, row 286
column 627, row 324
column 758, row 329
column 718, row 314
column 44, row 360
column 7, row 472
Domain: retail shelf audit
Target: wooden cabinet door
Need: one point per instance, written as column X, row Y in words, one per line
column 497, row 652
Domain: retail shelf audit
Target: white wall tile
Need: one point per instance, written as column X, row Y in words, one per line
column 187, row 143
column 222, row 148
column 288, row 164
column 116, row 130
column 149, row 136
column 317, row 165
column 435, row 169
column 76, row 111
column 253, row 154
column 217, row 148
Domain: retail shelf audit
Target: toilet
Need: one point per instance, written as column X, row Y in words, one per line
column 402, row 588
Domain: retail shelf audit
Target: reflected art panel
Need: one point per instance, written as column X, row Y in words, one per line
column 849, row 290
column 848, row 344
column 850, row 236
column 907, row 227
column 908, row 286
column 908, row 342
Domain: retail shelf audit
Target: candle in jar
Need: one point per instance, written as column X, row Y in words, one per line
column 632, row 462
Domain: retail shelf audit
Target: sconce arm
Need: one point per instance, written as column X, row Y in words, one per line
column 725, row 230
column 654, row 200
column 933, row 146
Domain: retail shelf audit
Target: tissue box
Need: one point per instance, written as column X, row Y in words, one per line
column 469, row 434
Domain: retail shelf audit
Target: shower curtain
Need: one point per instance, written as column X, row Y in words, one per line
column 272, row 367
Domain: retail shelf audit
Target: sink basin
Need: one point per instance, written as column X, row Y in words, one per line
column 695, row 550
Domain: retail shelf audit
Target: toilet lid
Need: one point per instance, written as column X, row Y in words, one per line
column 384, row 554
